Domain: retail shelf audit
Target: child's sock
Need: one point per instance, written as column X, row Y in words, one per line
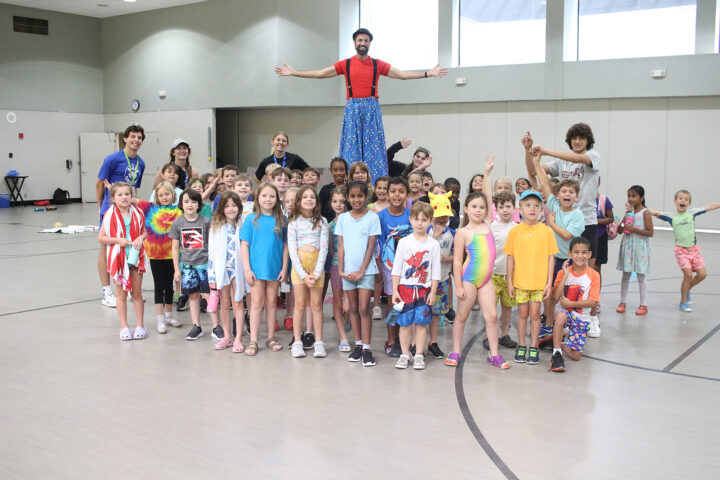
column 160, row 318
column 358, row 343
column 107, row 290
column 366, row 346
column 168, row 315
column 557, row 350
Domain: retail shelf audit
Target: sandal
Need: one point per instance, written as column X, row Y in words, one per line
column 273, row 344
column 621, row 308
column 238, row 346
column 642, row 310
column 223, row 343
column 251, row 349
column 125, row 334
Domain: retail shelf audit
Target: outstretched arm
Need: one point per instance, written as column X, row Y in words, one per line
column 436, row 71
column 288, row 71
column 568, row 156
column 712, row 206
column 541, row 177
column 487, row 182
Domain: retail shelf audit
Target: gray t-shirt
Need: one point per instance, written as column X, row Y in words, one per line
column 587, row 176
column 193, row 236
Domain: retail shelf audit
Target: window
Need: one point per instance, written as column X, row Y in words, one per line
column 405, row 32
column 635, row 28
column 501, row 33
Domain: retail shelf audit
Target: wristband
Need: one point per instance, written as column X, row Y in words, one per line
column 426, row 75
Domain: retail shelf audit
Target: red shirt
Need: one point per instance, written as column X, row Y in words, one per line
column 361, row 75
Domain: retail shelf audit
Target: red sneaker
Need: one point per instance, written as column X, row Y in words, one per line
column 621, row 308
column 288, row 323
column 281, row 302
column 642, row 310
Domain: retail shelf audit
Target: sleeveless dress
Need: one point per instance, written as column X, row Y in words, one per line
column 478, row 265
column 634, row 255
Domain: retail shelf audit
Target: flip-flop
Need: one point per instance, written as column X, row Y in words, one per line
column 125, row 334
column 140, row 333
column 238, row 346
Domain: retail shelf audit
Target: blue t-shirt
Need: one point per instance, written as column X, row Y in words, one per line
column 116, row 168
column 356, row 233
column 266, row 246
column 392, row 229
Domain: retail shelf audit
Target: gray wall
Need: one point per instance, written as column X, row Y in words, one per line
column 60, row 72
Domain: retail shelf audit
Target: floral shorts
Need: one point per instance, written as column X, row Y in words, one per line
column 500, row 282
column 689, row 257
column 308, row 260
column 525, row 296
column 577, row 335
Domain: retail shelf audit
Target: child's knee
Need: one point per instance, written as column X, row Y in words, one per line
column 687, row 274
column 701, row 274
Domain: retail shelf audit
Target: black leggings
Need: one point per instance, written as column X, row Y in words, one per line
column 163, row 273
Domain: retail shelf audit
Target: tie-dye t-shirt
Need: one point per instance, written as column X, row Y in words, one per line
column 158, row 220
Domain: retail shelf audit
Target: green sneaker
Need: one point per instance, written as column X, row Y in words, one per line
column 176, row 295
column 533, row 356
column 520, row 353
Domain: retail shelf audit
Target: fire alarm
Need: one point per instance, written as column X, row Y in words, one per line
column 21, row 136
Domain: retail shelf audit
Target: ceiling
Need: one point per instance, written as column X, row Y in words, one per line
column 90, row 8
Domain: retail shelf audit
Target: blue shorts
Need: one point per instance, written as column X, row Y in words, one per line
column 442, row 303
column 194, row 278
column 577, row 335
column 416, row 310
column 367, row 282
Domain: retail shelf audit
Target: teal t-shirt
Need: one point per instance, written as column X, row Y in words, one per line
column 572, row 221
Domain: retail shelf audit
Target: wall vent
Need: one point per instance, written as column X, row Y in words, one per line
column 37, row 26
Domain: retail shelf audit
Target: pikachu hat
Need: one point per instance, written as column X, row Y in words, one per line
column 441, row 204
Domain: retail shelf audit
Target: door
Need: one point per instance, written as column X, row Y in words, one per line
column 95, row 146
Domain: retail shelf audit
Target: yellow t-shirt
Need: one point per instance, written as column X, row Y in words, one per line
column 530, row 247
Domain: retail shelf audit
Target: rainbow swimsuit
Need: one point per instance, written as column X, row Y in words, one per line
column 478, row 265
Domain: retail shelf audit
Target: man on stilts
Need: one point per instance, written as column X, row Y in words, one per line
column 363, row 136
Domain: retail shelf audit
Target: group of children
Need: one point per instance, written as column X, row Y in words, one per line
column 399, row 237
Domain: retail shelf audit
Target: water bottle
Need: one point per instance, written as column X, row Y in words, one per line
column 213, row 301
column 392, row 316
column 133, row 256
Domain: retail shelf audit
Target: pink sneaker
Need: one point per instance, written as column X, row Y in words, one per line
column 498, row 361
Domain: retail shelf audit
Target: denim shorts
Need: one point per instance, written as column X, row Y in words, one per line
column 367, row 282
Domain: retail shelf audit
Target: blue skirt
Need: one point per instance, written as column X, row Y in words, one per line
column 363, row 137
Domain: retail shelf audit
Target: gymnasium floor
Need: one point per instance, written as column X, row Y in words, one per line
column 79, row 403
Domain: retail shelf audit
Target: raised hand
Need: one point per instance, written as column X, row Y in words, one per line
column 436, row 71
column 489, row 163
column 405, row 142
column 527, row 141
column 537, row 150
column 285, row 71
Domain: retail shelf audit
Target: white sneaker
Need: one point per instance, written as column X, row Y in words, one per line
column 161, row 328
column 476, row 307
column 594, row 330
column 173, row 322
column 109, row 300
column 319, row 349
column 419, row 362
column 402, row 361
column 297, row 349
column 376, row 313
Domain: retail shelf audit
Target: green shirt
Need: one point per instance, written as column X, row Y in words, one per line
column 683, row 225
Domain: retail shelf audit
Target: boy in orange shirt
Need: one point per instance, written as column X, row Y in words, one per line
column 577, row 288
column 531, row 249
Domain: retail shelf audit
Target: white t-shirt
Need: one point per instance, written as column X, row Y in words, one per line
column 500, row 232
column 416, row 262
column 587, row 176
column 446, row 241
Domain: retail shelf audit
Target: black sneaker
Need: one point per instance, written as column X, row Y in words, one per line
column 486, row 344
column 182, row 303
column 533, row 356
column 203, row 305
column 450, row 316
column 557, row 364
column 356, row 354
column 234, row 327
column 507, row 342
column 520, row 353
column 383, row 299
column 412, row 350
column 218, row 333
column 194, row 333
column 434, row 350
column 367, row 358
column 308, row 340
